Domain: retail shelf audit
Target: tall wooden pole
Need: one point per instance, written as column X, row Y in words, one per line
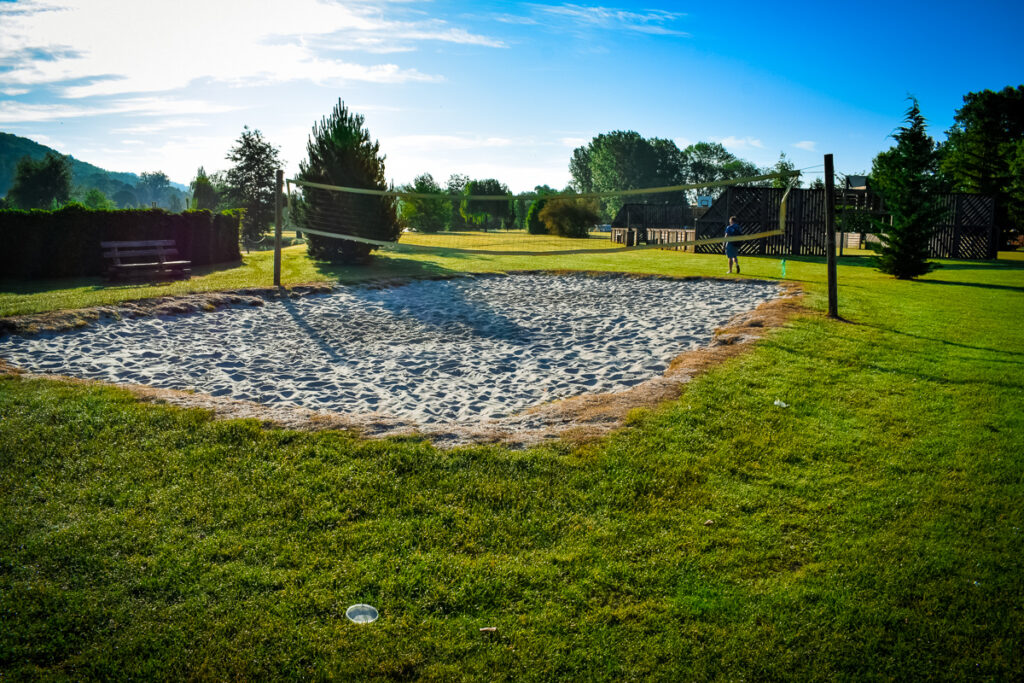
column 278, row 216
column 830, row 237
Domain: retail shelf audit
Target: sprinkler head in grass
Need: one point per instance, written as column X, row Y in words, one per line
column 361, row 614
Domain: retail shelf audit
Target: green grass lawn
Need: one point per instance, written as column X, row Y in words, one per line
column 874, row 529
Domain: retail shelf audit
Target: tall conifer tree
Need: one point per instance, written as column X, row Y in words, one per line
column 341, row 153
column 906, row 176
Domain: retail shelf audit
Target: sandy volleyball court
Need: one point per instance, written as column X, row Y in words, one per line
column 462, row 351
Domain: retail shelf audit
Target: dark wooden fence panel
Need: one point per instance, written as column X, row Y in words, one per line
column 966, row 232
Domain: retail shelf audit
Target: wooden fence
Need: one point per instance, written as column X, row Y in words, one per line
column 967, row 231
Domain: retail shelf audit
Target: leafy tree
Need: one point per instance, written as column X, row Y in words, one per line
column 341, row 152
column 906, row 176
column 95, row 199
column 534, row 225
column 784, row 165
column 204, row 194
column 454, row 188
column 579, row 169
column 125, row 198
column 486, row 213
column 569, row 217
column 982, row 148
column 153, row 188
column 622, row 160
column 252, row 182
column 710, row 162
column 41, row 184
column 425, row 214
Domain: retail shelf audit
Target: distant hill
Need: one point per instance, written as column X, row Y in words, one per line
column 83, row 174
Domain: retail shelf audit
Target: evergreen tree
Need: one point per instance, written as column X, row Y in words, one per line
column 252, row 182
column 341, row 152
column 42, row 184
column 906, row 176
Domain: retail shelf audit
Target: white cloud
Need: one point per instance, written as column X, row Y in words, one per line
column 12, row 92
column 733, row 142
column 806, row 145
column 574, row 142
column 124, row 46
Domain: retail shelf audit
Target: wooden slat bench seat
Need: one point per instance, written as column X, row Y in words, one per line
column 145, row 258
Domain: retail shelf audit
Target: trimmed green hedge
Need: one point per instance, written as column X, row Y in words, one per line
column 66, row 242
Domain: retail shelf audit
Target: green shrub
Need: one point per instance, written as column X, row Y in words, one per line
column 569, row 217
column 66, row 242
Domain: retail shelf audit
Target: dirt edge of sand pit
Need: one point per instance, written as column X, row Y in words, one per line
column 577, row 419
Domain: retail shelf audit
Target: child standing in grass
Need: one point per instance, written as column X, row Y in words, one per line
column 732, row 251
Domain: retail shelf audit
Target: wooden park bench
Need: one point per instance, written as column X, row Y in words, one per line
column 145, row 258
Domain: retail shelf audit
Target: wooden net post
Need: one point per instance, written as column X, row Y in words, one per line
column 830, row 237
column 279, row 191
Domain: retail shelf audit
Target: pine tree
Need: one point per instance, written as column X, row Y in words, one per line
column 906, row 176
column 341, row 153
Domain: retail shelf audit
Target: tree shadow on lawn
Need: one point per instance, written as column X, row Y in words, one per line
column 868, row 261
column 98, row 282
column 380, row 269
column 982, row 285
column 935, row 340
column 798, row 352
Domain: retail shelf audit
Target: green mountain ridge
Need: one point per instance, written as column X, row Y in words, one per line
column 83, row 174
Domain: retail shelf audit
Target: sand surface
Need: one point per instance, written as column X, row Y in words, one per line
column 464, row 351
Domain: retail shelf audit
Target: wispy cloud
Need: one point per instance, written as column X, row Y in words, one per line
column 160, row 126
column 78, row 45
column 806, row 145
column 652, row 22
column 733, row 142
column 414, row 143
column 22, row 112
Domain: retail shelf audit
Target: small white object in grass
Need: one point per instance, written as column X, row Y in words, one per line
column 781, row 404
column 361, row 614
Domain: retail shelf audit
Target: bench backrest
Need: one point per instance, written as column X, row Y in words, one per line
column 161, row 249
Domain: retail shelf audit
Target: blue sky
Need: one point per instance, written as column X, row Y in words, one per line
column 491, row 89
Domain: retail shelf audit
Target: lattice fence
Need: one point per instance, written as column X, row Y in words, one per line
column 967, row 231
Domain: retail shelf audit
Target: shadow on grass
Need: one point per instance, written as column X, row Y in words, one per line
column 99, row 283
column 982, row 285
column 379, row 268
column 935, row 340
column 915, row 374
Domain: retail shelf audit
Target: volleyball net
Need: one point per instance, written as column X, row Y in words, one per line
column 526, row 224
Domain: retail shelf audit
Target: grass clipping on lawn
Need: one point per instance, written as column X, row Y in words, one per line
column 576, row 419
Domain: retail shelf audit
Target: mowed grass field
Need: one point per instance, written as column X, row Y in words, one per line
column 872, row 530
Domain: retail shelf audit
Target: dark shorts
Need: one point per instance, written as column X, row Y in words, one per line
column 732, row 250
